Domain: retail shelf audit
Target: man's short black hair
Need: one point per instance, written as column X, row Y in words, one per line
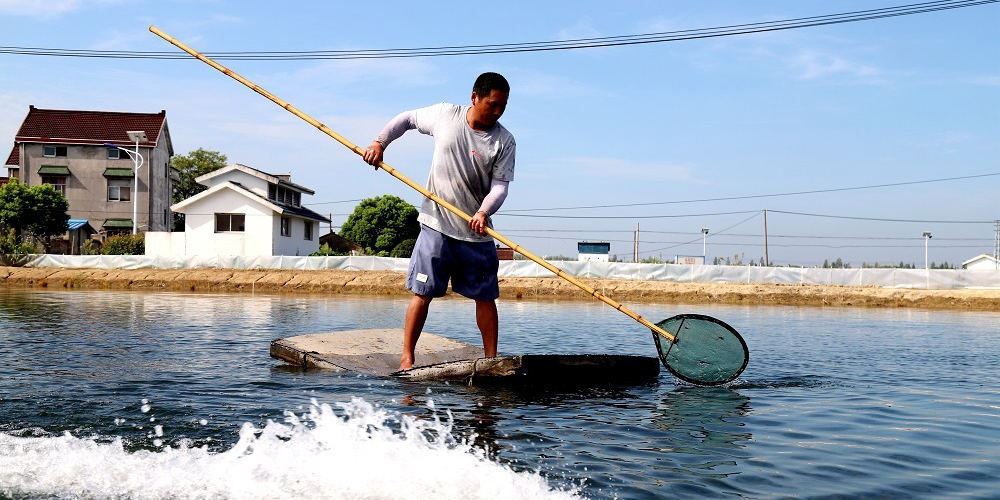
column 488, row 82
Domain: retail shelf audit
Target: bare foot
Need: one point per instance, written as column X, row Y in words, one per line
column 405, row 364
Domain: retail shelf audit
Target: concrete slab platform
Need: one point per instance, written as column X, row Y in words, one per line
column 376, row 352
column 557, row 369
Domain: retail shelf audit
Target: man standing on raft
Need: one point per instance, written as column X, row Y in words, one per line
column 472, row 165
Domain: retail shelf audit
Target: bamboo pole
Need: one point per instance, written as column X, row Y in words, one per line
column 406, row 180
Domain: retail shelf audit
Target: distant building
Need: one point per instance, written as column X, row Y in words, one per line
column 593, row 251
column 504, row 253
column 244, row 212
column 981, row 262
column 338, row 243
column 66, row 149
column 689, row 260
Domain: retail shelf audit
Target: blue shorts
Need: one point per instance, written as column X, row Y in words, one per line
column 471, row 266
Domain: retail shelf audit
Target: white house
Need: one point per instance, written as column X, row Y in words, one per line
column 981, row 262
column 594, row 251
column 244, row 212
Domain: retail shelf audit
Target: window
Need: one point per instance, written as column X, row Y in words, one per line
column 309, row 230
column 53, row 151
column 227, row 223
column 114, row 154
column 56, row 181
column 284, row 195
column 119, row 189
column 286, row 226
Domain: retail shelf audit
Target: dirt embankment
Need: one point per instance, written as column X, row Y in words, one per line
column 392, row 284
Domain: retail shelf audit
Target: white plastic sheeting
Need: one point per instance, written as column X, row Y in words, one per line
column 892, row 278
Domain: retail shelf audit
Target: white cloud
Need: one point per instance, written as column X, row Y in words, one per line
column 47, row 8
column 622, row 169
column 986, row 81
column 815, row 65
column 582, row 29
column 537, row 84
column 660, row 25
column 37, row 7
column 408, row 72
column 119, row 40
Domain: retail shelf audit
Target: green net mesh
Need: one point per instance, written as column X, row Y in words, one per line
column 705, row 350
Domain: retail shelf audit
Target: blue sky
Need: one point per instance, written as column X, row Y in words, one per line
column 892, row 100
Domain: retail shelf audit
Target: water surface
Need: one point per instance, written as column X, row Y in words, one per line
column 139, row 394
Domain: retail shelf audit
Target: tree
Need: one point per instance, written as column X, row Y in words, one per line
column 33, row 212
column 380, row 224
column 404, row 249
column 189, row 167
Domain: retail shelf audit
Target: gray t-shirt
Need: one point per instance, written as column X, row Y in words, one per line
column 465, row 163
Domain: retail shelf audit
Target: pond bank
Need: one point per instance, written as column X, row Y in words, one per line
column 392, row 284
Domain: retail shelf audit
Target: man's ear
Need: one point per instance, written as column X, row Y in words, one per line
column 474, row 96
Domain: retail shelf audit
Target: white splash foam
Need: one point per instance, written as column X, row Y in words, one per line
column 317, row 455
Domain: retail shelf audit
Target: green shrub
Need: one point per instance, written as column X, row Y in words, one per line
column 404, row 248
column 90, row 247
column 13, row 250
column 125, row 244
column 326, row 251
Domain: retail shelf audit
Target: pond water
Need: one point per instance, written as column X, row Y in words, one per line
column 165, row 395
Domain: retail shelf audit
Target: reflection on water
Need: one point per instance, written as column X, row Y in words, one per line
column 836, row 401
column 697, row 420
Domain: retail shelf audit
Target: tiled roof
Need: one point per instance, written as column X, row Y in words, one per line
column 88, row 127
column 291, row 209
column 15, row 156
column 282, row 179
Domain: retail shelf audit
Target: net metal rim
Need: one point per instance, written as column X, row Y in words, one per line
column 663, row 356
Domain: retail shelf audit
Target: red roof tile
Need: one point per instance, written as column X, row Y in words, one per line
column 88, row 127
column 15, row 156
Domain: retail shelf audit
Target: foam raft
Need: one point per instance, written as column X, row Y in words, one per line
column 376, row 352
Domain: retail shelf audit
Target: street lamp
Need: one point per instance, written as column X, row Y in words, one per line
column 704, row 235
column 137, row 161
column 927, row 238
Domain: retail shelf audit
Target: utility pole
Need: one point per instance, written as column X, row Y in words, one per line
column 635, row 244
column 704, row 252
column 996, row 245
column 767, row 260
column 927, row 238
column 331, row 221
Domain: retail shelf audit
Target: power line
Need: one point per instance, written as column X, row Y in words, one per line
column 755, row 196
column 331, row 202
column 579, row 43
column 877, row 219
column 739, row 243
column 666, row 216
column 688, row 233
column 670, row 216
column 699, row 238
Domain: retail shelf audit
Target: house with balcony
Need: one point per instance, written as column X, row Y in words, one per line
column 82, row 155
column 243, row 212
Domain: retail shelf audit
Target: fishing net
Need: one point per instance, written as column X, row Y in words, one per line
column 705, row 350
